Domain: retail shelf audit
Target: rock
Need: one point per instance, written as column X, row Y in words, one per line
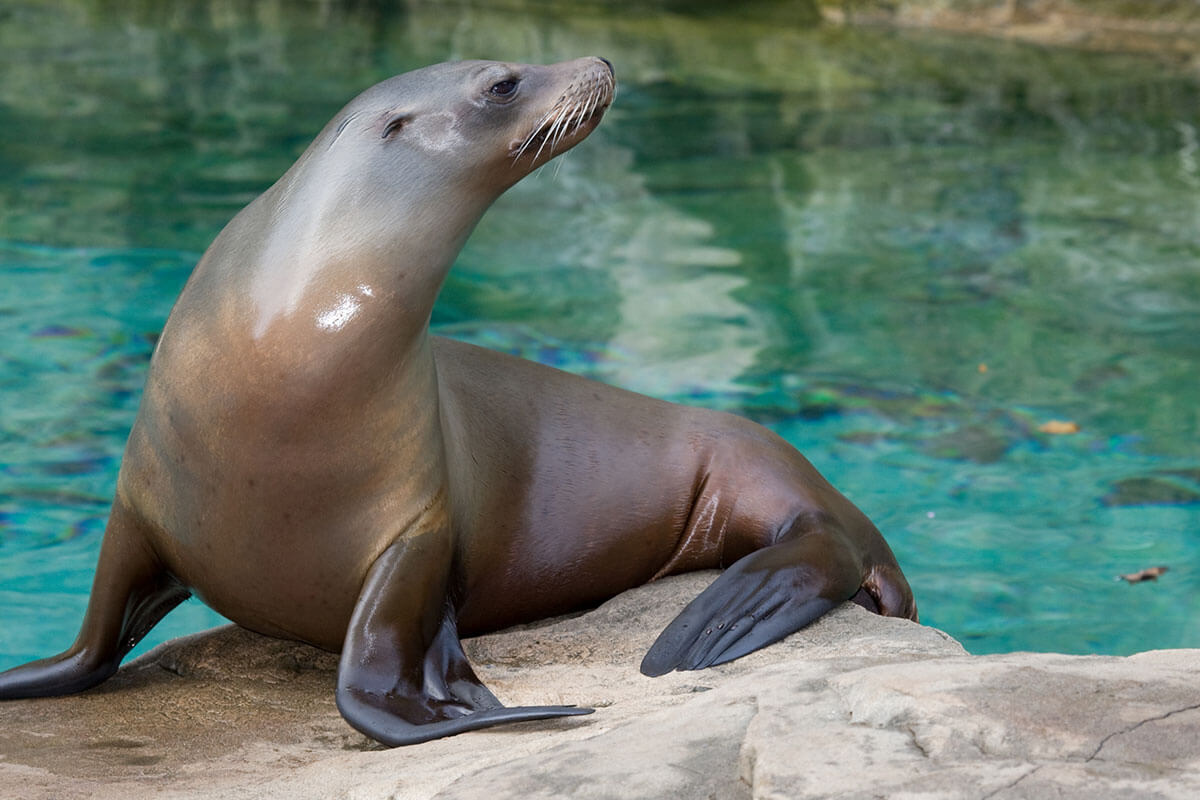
column 1149, row 490
column 1165, row 28
column 855, row 705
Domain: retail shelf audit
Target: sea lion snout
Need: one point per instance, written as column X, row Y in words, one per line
column 588, row 87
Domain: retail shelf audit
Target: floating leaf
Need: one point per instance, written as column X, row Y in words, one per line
column 1148, row 574
column 1059, row 427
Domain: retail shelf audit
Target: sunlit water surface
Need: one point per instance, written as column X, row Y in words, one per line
column 904, row 253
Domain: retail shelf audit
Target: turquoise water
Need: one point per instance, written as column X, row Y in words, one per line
column 905, row 253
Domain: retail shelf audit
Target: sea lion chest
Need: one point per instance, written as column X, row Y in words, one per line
column 278, row 463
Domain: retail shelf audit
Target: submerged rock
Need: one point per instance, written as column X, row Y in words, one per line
column 855, row 705
column 1150, row 490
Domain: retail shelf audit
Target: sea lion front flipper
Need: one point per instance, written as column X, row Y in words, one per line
column 760, row 599
column 403, row 677
column 130, row 594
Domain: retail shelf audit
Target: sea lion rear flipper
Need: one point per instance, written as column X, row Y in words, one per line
column 130, row 594
column 403, row 677
column 760, row 599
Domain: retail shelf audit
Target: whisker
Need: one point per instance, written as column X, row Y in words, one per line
column 528, row 141
column 545, row 138
column 570, row 113
column 561, row 127
column 577, row 114
column 533, row 133
column 592, row 102
column 558, row 126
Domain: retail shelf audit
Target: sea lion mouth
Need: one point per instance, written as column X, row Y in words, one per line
column 579, row 107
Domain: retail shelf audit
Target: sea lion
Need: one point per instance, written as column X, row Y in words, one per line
column 313, row 464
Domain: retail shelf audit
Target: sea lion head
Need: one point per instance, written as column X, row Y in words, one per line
column 474, row 125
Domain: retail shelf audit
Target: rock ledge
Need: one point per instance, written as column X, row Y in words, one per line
column 854, row 706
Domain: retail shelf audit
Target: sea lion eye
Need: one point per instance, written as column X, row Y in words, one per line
column 503, row 88
column 394, row 124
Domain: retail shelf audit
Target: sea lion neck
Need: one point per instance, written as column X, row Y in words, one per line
column 331, row 261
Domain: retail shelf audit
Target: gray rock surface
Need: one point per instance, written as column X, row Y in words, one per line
column 854, row 706
column 1168, row 29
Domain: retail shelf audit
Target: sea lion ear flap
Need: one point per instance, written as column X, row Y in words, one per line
column 394, row 122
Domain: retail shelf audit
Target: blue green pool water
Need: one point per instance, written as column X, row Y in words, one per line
column 904, row 252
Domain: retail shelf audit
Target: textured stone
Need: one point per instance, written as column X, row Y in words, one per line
column 853, row 706
column 1168, row 29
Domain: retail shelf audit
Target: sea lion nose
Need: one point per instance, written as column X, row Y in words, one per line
column 611, row 70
